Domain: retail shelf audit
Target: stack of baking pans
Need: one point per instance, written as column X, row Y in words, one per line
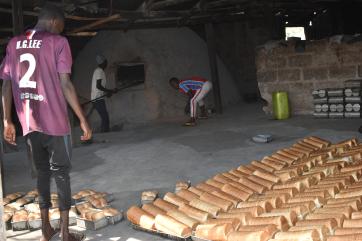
column 338, row 102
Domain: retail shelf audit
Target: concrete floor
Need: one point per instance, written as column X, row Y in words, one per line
column 158, row 155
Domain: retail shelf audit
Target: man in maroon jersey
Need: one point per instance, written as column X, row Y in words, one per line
column 36, row 73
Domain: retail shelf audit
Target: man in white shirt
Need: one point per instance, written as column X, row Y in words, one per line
column 99, row 91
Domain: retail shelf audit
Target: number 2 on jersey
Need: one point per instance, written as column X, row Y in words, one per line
column 25, row 81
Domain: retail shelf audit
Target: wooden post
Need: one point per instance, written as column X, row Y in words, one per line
column 2, row 224
column 211, row 46
column 18, row 23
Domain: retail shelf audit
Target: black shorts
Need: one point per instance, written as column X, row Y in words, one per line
column 47, row 152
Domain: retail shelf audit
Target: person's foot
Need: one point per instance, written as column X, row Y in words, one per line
column 48, row 234
column 191, row 122
column 203, row 114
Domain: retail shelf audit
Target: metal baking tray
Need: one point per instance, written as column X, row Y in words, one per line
column 91, row 225
column 109, row 198
column 19, row 226
column 115, row 219
column 34, row 224
column 161, row 234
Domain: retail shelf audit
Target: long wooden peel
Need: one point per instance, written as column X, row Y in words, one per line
column 97, row 23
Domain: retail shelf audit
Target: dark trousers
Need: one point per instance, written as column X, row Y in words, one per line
column 100, row 106
column 50, row 157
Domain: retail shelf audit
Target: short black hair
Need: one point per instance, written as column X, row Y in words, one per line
column 173, row 79
column 50, row 11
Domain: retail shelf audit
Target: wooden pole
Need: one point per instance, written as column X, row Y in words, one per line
column 97, row 23
column 211, row 46
column 18, row 22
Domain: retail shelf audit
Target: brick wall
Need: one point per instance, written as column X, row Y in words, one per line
column 323, row 64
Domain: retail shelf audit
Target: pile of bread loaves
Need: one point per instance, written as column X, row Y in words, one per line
column 20, row 207
column 310, row 191
column 94, row 205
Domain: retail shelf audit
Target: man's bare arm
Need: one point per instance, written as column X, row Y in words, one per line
column 7, row 101
column 71, row 97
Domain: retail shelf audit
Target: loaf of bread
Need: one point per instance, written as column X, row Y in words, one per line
column 321, row 229
column 274, row 163
column 83, row 206
column 245, row 170
column 350, row 193
column 34, row 216
column 249, row 236
column 319, row 202
column 346, row 210
column 242, row 217
column 332, row 190
column 253, row 210
column 174, row 199
column 149, row 195
column 20, row 216
column 352, row 223
column 110, row 212
column 196, row 190
column 183, row 218
column 227, row 197
column 172, row 225
column 355, row 205
column 230, row 176
column 309, row 234
column 242, row 187
column 269, row 228
column 214, row 232
column 194, row 213
column 97, row 216
column 7, row 217
column 205, row 206
column 182, row 185
column 9, row 209
column 153, row 210
column 291, row 216
column 268, row 176
column 252, row 185
column 187, row 195
column 338, row 217
column 346, row 237
column 237, row 173
column 347, row 231
column 309, row 205
column 265, row 204
column 356, row 215
column 233, row 191
column 290, row 191
column 215, row 183
column 275, row 201
column 97, row 202
column 233, row 221
column 164, row 205
column 223, row 204
column 280, row 221
column 54, row 214
column 329, row 223
column 266, row 183
column 301, row 211
column 262, row 167
column 140, row 217
column 206, row 187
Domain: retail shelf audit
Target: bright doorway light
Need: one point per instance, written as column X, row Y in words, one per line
column 295, row 32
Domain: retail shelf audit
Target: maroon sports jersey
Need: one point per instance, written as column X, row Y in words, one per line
column 33, row 62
